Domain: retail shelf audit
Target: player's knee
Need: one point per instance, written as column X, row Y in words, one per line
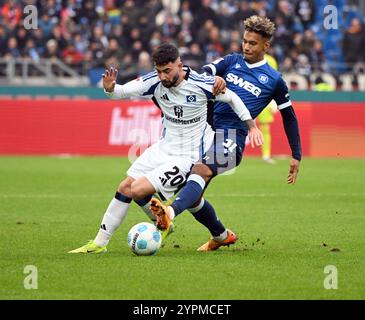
column 202, row 170
column 196, row 204
column 125, row 188
column 137, row 191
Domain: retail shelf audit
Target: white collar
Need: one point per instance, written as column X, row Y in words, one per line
column 257, row 64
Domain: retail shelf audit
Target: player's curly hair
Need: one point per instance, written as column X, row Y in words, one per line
column 165, row 53
column 261, row 25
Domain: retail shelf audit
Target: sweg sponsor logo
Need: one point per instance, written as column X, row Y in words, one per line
column 244, row 84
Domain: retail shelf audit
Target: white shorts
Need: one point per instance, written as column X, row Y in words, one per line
column 165, row 172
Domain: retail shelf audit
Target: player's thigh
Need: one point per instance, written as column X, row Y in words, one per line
column 141, row 188
column 226, row 151
column 145, row 163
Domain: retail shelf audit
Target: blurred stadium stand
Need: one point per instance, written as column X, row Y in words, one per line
column 76, row 39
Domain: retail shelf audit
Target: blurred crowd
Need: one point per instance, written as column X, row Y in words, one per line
column 91, row 34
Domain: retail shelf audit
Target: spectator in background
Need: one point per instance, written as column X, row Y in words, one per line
column 205, row 25
column 144, row 65
column 113, row 54
column 205, row 13
column 129, row 68
column 98, row 37
column 185, row 11
column 173, row 6
column 287, row 65
column 81, row 43
column 39, row 40
column 317, row 57
column 225, row 20
column 194, row 57
column 283, row 39
column 12, row 13
column 87, row 14
column 285, row 12
column 97, row 48
column 12, row 50
column 52, row 50
column 31, row 51
column 305, row 10
column 137, row 48
column 52, row 9
column 132, row 12
column 112, row 12
column 58, row 35
column 72, row 57
column 133, row 36
column 214, row 47
column 234, row 46
column 169, row 25
column 306, row 43
column 244, row 11
column 3, row 40
column 186, row 30
column 302, row 65
column 46, row 24
column 21, row 37
column 353, row 46
column 155, row 41
column 203, row 32
column 321, row 85
column 259, row 6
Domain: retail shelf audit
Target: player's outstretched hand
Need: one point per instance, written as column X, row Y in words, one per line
column 219, row 86
column 109, row 79
column 293, row 171
column 255, row 136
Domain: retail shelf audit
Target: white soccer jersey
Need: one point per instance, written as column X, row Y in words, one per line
column 186, row 132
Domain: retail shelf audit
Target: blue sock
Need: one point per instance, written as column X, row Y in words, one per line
column 189, row 194
column 121, row 197
column 144, row 201
column 206, row 215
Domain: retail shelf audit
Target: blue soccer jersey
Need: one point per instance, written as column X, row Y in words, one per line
column 256, row 84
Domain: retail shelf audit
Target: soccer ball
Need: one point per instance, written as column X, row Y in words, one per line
column 144, row 239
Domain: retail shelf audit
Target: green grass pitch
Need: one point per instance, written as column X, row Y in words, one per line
column 287, row 234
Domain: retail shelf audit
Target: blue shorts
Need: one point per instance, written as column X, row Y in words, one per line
column 226, row 150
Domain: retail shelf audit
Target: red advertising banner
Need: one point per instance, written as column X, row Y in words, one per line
column 77, row 127
column 107, row 127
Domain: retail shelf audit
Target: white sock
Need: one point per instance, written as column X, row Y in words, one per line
column 148, row 212
column 113, row 218
column 222, row 236
column 171, row 212
column 198, row 207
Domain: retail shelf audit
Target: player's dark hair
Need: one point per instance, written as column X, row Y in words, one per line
column 164, row 54
column 261, row 25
